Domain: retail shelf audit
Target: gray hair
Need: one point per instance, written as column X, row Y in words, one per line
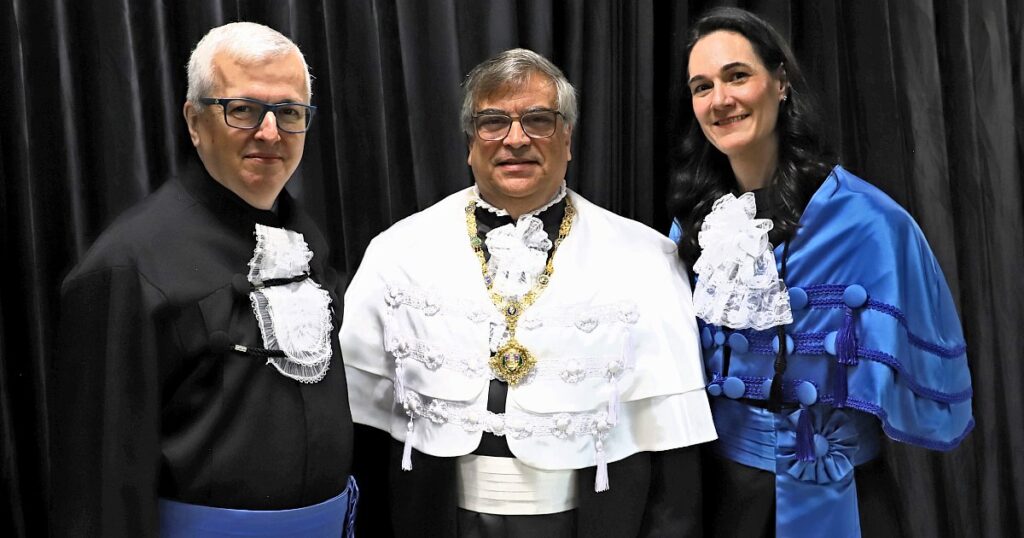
column 243, row 41
column 512, row 70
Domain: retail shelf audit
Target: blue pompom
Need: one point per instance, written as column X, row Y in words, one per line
column 733, row 387
column 789, row 344
column 855, row 296
column 738, row 343
column 806, row 393
column 797, row 298
column 830, row 343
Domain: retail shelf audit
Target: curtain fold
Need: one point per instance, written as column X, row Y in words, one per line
column 923, row 98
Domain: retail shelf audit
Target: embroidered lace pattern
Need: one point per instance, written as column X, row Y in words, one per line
column 295, row 317
column 519, row 252
column 395, row 297
column 583, row 318
column 404, row 348
column 570, row 369
column 739, row 286
column 515, row 424
column 587, row 319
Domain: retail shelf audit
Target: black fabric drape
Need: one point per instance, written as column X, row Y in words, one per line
column 924, row 98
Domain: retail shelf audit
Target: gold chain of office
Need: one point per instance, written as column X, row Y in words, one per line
column 512, row 362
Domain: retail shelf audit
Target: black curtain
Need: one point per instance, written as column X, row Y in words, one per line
column 924, row 99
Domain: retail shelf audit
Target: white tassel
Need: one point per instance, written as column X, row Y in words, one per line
column 601, row 481
column 628, row 354
column 399, row 388
column 613, row 404
column 407, row 448
column 399, row 385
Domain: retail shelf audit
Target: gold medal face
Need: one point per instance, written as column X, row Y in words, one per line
column 512, row 362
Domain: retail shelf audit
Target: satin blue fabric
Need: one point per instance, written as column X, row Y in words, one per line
column 810, row 497
column 330, row 519
column 905, row 358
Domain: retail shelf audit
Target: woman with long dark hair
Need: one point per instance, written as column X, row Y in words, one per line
column 825, row 318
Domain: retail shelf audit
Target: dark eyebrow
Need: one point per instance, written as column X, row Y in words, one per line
column 734, row 65
column 726, row 67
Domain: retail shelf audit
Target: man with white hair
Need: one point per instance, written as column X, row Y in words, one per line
column 199, row 390
column 527, row 359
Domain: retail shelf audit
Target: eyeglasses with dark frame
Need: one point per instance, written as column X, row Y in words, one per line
column 492, row 126
column 245, row 113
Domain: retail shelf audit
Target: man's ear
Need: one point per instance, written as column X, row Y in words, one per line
column 192, row 119
column 469, row 149
column 568, row 143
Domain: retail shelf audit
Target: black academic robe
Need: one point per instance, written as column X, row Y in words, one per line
column 146, row 403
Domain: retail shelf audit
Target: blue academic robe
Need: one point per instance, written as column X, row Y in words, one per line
column 875, row 341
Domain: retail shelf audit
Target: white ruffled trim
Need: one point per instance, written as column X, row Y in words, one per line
column 519, row 253
column 296, row 317
column 519, row 250
column 562, row 191
column 739, row 286
column 406, row 345
column 518, row 425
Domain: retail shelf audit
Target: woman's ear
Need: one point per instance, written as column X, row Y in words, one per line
column 783, row 79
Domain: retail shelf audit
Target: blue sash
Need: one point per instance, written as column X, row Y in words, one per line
column 332, row 518
column 812, row 498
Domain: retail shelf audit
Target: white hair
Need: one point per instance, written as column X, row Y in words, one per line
column 243, row 41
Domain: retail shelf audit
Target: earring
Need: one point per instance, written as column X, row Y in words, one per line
column 785, row 97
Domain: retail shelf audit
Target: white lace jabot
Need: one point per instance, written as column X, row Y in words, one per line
column 519, row 250
column 294, row 317
column 739, row 286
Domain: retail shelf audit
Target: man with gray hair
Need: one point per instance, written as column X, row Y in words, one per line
column 512, row 349
column 198, row 390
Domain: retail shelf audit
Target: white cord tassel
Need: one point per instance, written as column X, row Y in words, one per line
column 601, row 481
column 628, row 354
column 407, row 448
column 613, row 403
column 399, row 386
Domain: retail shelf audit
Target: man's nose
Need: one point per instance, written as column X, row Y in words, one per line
column 267, row 130
column 516, row 136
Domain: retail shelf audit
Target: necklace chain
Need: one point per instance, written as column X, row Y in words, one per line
column 512, row 362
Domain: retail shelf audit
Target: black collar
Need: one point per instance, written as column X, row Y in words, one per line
column 227, row 205
column 551, row 217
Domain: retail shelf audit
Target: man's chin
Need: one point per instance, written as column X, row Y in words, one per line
column 517, row 187
column 527, row 180
column 263, row 185
column 521, row 189
column 518, row 170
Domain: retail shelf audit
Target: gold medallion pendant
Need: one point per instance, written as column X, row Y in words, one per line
column 512, row 362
